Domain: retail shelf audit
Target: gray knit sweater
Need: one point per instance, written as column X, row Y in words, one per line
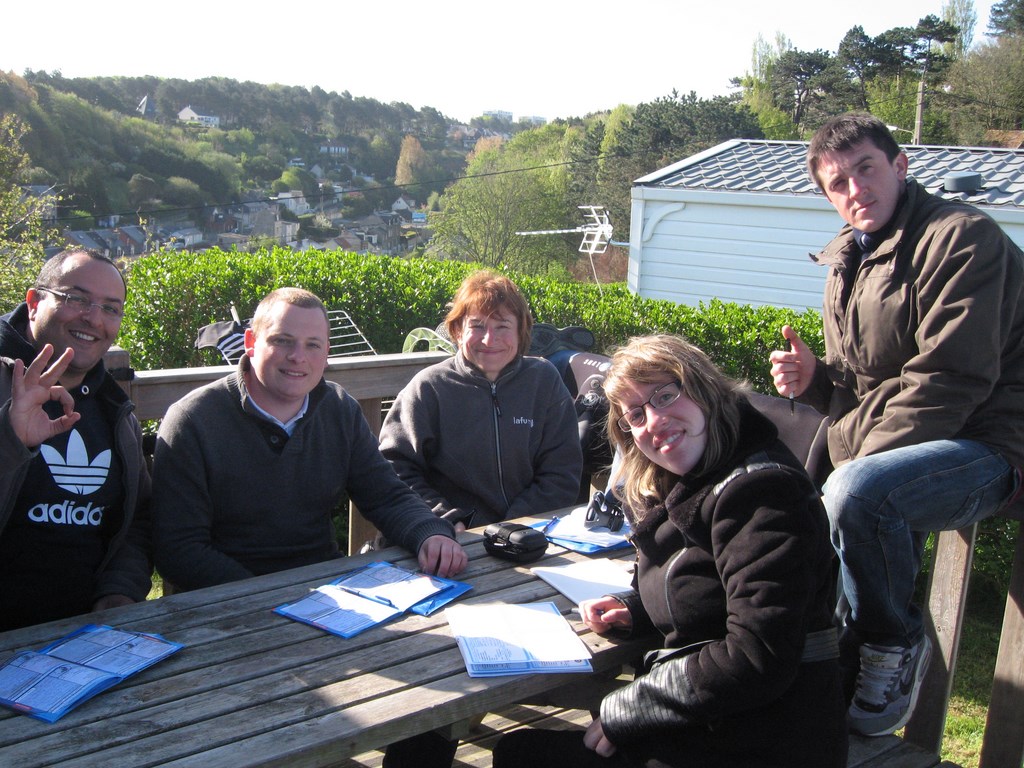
column 235, row 496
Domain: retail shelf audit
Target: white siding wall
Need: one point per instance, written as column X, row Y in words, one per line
column 690, row 246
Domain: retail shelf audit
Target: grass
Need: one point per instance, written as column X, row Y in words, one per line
column 158, row 587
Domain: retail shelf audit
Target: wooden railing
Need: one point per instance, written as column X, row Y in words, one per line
column 369, row 379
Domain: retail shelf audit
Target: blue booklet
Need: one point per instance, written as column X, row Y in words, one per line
column 369, row 596
column 47, row 683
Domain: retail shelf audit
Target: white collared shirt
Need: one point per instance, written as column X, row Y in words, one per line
column 288, row 426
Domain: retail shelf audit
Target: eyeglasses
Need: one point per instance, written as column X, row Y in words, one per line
column 82, row 305
column 660, row 398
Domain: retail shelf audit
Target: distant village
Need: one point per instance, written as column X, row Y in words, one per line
column 266, row 220
column 259, row 221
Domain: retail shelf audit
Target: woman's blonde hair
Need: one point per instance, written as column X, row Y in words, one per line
column 652, row 359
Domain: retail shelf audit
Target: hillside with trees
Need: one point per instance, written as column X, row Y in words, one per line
column 114, row 147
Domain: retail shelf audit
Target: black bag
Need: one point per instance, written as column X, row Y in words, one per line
column 514, row 541
column 604, row 511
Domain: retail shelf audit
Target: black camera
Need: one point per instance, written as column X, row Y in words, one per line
column 514, row 541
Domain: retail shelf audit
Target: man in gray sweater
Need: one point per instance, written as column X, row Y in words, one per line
column 249, row 469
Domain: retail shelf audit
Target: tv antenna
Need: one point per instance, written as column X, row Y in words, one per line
column 597, row 234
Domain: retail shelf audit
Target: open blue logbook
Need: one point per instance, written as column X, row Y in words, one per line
column 47, row 683
column 369, row 596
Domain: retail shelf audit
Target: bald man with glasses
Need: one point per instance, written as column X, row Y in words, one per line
column 74, row 488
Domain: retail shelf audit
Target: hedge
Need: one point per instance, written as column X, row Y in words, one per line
column 173, row 294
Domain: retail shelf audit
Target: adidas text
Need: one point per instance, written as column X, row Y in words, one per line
column 66, row 514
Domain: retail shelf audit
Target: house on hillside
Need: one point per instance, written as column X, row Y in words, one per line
column 404, row 206
column 187, row 237
column 295, row 201
column 47, row 201
column 268, row 224
column 333, row 148
column 147, row 108
column 133, row 238
column 345, row 241
column 189, row 115
column 739, row 221
column 381, row 232
column 90, row 240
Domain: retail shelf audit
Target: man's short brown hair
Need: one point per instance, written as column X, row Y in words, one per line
column 297, row 297
column 845, row 131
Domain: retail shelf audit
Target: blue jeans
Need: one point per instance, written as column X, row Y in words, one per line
column 881, row 509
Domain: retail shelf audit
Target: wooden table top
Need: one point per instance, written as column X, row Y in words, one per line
column 252, row 688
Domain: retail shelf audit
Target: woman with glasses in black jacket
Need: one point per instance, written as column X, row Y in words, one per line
column 734, row 573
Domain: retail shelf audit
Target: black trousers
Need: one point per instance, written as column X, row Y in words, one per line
column 426, row 750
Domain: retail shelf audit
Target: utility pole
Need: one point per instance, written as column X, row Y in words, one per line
column 919, row 118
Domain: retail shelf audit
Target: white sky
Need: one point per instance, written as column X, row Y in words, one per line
column 552, row 58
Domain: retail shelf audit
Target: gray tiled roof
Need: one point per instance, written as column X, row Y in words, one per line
column 779, row 167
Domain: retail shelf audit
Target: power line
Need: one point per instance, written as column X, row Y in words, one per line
column 323, row 196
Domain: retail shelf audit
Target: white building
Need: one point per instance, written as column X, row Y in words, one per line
column 295, row 201
column 739, row 221
column 189, row 115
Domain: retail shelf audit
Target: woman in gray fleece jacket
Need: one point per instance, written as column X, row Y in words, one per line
column 489, row 434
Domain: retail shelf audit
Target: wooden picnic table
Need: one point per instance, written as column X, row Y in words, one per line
column 252, row 688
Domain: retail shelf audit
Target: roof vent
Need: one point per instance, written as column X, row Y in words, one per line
column 962, row 181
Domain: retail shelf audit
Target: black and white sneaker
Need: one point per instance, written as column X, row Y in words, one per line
column 887, row 687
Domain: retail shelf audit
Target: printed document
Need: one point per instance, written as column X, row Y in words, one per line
column 588, row 579
column 499, row 639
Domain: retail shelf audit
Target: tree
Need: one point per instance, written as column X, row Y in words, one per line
column 509, row 188
column 411, row 159
column 21, row 216
column 259, row 168
column 417, row 169
column 142, row 189
column 858, row 55
column 962, row 15
column 183, row 193
column 932, row 35
column 662, row 132
column 1006, row 19
column 757, row 89
column 810, row 86
column 297, row 178
column 986, row 90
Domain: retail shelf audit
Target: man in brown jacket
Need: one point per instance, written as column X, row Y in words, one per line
column 923, row 378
